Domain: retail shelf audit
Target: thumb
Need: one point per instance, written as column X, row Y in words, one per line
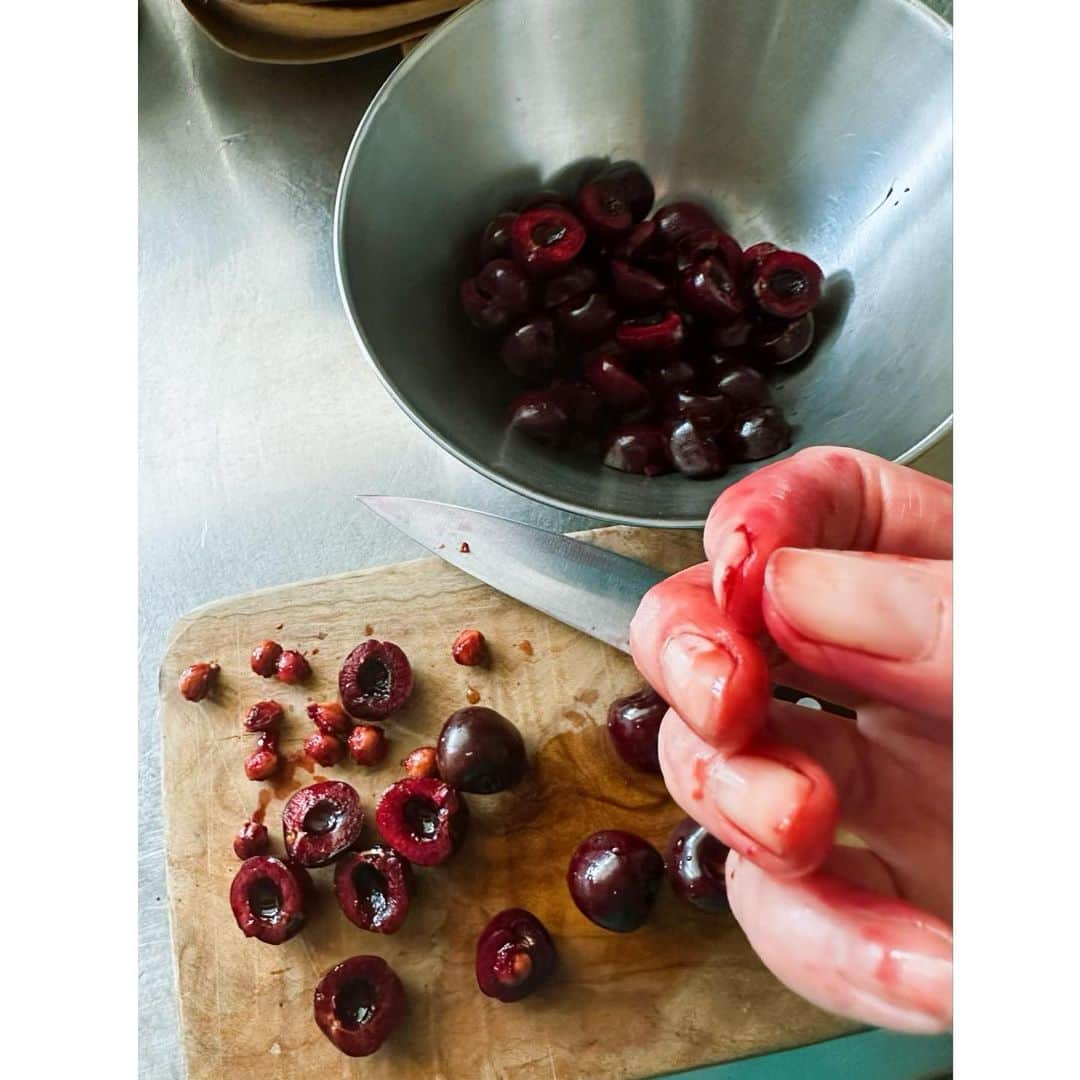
column 881, row 624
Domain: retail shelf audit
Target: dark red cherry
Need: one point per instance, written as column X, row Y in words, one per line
column 514, row 955
column 650, row 333
column 733, row 335
column 633, row 722
column 678, row 219
column 423, row 819
column 546, row 240
column 321, row 821
column 540, row 415
column 638, row 448
column 373, row 888
column 710, row 290
column 711, row 412
column 498, row 292
column 646, row 246
column 778, row 342
column 574, row 285
column 375, row 680
column 614, row 877
column 358, row 1004
column 634, row 287
column 579, row 401
column 270, row 897
column 695, row 867
column 495, row 239
column 787, row 284
column 587, row 319
column 760, row 433
column 480, row 751
column 611, row 203
column 608, row 374
column 695, row 450
column 530, row 350
column 670, row 372
column 745, row 387
column 702, row 243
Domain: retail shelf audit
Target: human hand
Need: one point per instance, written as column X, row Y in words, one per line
column 845, row 560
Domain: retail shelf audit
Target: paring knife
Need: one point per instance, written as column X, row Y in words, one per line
column 584, row 586
column 597, row 591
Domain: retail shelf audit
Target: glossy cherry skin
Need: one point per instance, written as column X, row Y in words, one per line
column 530, row 350
column 711, row 291
column 614, row 201
column 696, row 451
column 777, row 342
column 622, row 392
column 702, row 243
column 613, row 878
column 634, row 287
column 579, row 401
column 358, row 1004
column 495, row 239
column 321, row 821
column 514, row 955
column 373, row 888
column 586, row 320
column 638, row 448
column 695, row 867
column 269, row 898
column 576, row 284
column 646, row 246
column 633, row 722
column 376, row 680
column 498, row 293
column 659, row 332
column 733, row 335
column 540, row 415
column 424, row 819
column 744, row 387
column 480, row 751
column 667, row 374
column 760, row 433
column 546, row 240
column 679, row 219
column 753, row 257
column 786, row 284
column 711, row 412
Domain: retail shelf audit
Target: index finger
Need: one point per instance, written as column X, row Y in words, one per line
column 824, row 497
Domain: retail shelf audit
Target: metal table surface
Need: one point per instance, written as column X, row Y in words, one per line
column 258, row 417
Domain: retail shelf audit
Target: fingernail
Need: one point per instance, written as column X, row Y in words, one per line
column 695, row 671
column 874, row 604
column 728, row 556
column 760, row 796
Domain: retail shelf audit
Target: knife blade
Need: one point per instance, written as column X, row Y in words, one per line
column 586, row 587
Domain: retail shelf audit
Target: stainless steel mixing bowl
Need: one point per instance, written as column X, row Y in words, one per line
column 823, row 126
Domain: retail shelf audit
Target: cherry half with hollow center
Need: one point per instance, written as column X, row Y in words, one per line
column 373, row 888
column 514, row 955
column 321, row 821
column 423, row 819
column 358, row 1003
column 269, row 898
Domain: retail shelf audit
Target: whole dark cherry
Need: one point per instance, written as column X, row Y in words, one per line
column 679, row 219
column 325, row 750
column 423, row 819
column 358, row 1004
column 695, row 866
column 292, row 667
column 469, row 648
column 710, row 290
column 786, row 284
column 330, row 718
column 608, row 374
column 579, row 401
column 733, row 335
column 495, row 239
column 264, row 658
column 480, row 751
column 646, row 246
column 778, row 342
column 638, row 448
column 670, row 372
column 577, row 283
column 251, row 839
column 198, row 680
column 372, row 888
column 614, row 877
column 743, row 386
column 614, row 201
column 696, row 450
column 530, row 349
column 321, row 821
column 264, row 716
column 367, row 744
column 269, row 898
column 376, row 680
column 540, row 415
column 760, row 433
column 633, row 722
column 546, row 240
column 514, row 955
column 587, row 319
column 635, row 287
column 498, row 293
column 421, row 762
column 657, row 332
column 711, row 412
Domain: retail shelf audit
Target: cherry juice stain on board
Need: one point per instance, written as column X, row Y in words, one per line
column 258, row 815
column 369, row 630
column 472, row 695
column 587, row 697
column 526, row 647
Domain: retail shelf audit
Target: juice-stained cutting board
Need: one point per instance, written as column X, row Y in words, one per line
column 683, row 991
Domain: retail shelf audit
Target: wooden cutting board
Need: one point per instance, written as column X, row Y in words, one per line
column 683, row 991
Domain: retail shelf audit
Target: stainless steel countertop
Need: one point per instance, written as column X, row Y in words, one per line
column 259, row 418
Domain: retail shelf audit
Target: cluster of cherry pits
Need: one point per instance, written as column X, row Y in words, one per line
column 613, row 877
